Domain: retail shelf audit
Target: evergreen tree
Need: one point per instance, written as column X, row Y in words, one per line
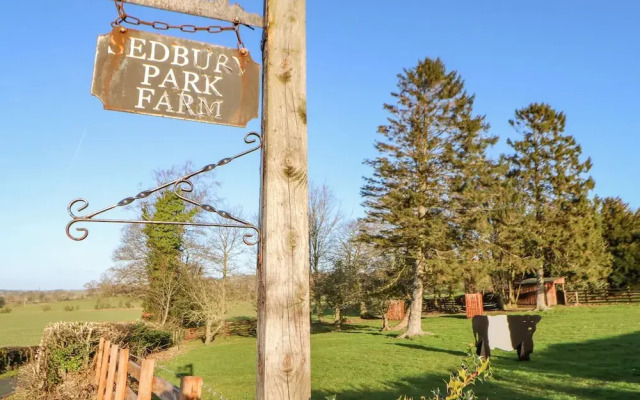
column 473, row 187
column 408, row 195
column 509, row 220
column 164, row 245
column 621, row 231
column 555, row 188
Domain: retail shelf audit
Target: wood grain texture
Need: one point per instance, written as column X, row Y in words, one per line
column 217, row 9
column 99, row 361
column 190, row 388
column 111, row 372
column 161, row 388
column 103, row 369
column 121, row 376
column 283, row 370
column 145, row 383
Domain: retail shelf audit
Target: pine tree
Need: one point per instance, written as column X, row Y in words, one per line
column 473, row 187
column 509, row 220
column 621, row 231
column 408, row 196
column 555, row 187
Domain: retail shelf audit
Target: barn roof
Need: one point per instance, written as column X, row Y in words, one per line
column 533, row 281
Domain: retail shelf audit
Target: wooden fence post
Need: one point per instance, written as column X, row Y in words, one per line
column 145, row 383
column 103, row 369
column 121, row 377
column 111, row 372
column 99, row 361
column 190, row 388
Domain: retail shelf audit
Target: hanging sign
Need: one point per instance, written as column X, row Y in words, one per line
column 147, row 73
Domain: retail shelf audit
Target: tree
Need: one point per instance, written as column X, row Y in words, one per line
column 2, row 302
column 324, row 221
column 150, row 258
column 205, row 301
column 508, row 218
column 473, row 187
column 164, row 244
column 408, row 195
column 621, row 231
column 555, row 187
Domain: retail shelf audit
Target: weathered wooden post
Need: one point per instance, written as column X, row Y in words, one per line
column 284, row 370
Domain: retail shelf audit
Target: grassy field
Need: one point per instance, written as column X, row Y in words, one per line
column 24, row 325
column 584, row 353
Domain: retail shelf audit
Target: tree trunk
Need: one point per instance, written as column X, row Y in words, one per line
column 415, row 316
column 364, row 312
column 319, row 308
column 541, row 298
column 207, row 332
column 385, row 323
column 337, row 318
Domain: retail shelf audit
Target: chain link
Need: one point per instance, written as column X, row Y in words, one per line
column 123, row 17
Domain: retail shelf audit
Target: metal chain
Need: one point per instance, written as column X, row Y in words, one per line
column 163, row 26
column 207, row 388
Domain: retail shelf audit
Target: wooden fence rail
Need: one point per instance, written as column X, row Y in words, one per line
column 603, row 296
column 113, row 369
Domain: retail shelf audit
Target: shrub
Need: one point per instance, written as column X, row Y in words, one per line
column 2, row 302
column 46, row 308
column 143, row 340
column 5, row 310
column 102, row 305
column 128, row 304
column 69, row 308
column 13, row 357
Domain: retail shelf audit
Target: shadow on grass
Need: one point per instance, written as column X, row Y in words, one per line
column 427, row 348
column 582, row 370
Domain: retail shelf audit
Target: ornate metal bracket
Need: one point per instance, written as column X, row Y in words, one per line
column 180, row 186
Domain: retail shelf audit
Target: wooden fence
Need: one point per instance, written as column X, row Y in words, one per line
column 603, row 296
column 443, row 304
column 114, row 370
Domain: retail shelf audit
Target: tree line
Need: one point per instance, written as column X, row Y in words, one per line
column 442, row 216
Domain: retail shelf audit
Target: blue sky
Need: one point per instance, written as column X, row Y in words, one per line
column 582, row 57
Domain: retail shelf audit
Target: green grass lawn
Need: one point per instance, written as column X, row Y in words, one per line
column 584, row 353
column 24, row 325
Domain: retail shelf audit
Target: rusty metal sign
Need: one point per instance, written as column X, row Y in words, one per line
column 147, row 73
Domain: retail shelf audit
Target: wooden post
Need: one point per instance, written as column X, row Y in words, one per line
column 121, row 377
column 103, row 369
column 190, row 388
column 99, row 361
column 283, row 370
column 145, row 383
column 111, row 373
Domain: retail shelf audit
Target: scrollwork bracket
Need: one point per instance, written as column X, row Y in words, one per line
column 180, row 186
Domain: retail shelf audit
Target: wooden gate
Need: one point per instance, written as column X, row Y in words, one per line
column 113, row 369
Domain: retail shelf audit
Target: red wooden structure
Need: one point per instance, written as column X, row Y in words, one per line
column 473, row 304
column 529, row 288
column 395, row 312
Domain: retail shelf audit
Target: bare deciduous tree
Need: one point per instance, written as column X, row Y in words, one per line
column 205, row 300
column 324, row 220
